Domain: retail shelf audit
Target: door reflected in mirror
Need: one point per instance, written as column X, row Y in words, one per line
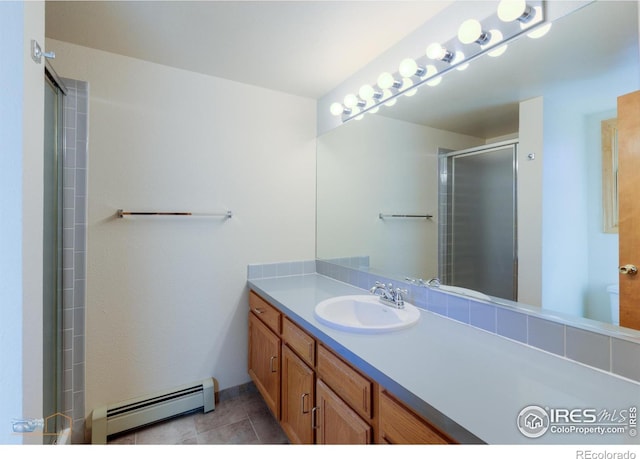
column 609, row 136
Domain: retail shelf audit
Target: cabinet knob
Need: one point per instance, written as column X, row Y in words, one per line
column 630, row 270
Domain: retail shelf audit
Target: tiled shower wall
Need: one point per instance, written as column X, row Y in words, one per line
column 74, row 237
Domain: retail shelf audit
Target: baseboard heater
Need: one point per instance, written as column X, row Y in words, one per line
column 134, row 413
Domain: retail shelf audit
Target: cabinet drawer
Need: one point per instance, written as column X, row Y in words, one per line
column 354, row 388
column 267, row 313
column 399, row 425
column 298, row 340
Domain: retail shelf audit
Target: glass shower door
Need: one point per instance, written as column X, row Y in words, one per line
column 52, row 250
column 479, row 247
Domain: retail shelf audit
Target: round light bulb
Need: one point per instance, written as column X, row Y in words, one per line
column 387, row 96
column 366, row 92
column 498, row 51
column 435, row 51
column 375, row 109
column 408, row 68
column 536, row 19
column 496, row 37
column 510, row 10
column 336, row 109
column 435, row 81
column 430, row 70
column 408, row 83
column 540, row 31
column 350, row 100
column 469, row 31
column 385, row 80
column 459, row 58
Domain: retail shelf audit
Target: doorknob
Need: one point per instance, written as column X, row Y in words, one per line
column 628, row 269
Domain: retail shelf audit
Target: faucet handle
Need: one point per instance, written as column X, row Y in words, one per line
column 399, row 292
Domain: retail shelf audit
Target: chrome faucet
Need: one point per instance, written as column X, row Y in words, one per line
column 388, row 295
column 433, row 282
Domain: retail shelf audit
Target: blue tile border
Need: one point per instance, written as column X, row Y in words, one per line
column 598, row 350
column 286, row 268
column 512, row 324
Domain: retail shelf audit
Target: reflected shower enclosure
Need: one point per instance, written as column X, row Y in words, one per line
column 477, row 214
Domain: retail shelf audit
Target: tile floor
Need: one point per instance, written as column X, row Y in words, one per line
column 239, row 419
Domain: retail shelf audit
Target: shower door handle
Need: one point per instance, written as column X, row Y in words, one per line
column 630, row 270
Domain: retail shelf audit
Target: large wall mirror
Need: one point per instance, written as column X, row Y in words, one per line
column 399, row 162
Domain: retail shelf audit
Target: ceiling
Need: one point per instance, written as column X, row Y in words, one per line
column 304, row 48
column 308, row 48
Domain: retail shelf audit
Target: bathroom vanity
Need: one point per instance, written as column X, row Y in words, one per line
column 439, row 381
column 319, row 397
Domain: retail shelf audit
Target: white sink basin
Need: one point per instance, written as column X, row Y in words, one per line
column 465, row 291
column 365, row 314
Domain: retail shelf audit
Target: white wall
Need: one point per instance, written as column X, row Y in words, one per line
column 167, row 297
column 21, row 131
column 529, row 204
column 383, row 165
column 575, row 269
column 603, row 247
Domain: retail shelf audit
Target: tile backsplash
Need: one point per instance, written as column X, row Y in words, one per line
column 587, row 345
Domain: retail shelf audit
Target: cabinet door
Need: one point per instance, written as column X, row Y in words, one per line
column 398, row 425
column 264, row 362
column 297, row 398
column 337, row 423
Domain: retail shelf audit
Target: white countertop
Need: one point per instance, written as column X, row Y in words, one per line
column 476, row 379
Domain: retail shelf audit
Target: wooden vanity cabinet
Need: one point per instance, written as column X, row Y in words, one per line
column 265, row 351
column 316, row 395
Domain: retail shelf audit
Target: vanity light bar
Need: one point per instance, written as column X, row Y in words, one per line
column 493, row 37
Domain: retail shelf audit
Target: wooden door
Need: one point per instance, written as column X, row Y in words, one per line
column 629, row 207
column 264, row 362
column 338, row 424
column 297, row 398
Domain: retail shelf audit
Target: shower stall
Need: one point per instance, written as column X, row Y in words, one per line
column 478, row 219
column 64, row 255
column 52, row 250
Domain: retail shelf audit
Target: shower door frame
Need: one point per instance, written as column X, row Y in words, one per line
column 444, row 254
column 53, row 366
